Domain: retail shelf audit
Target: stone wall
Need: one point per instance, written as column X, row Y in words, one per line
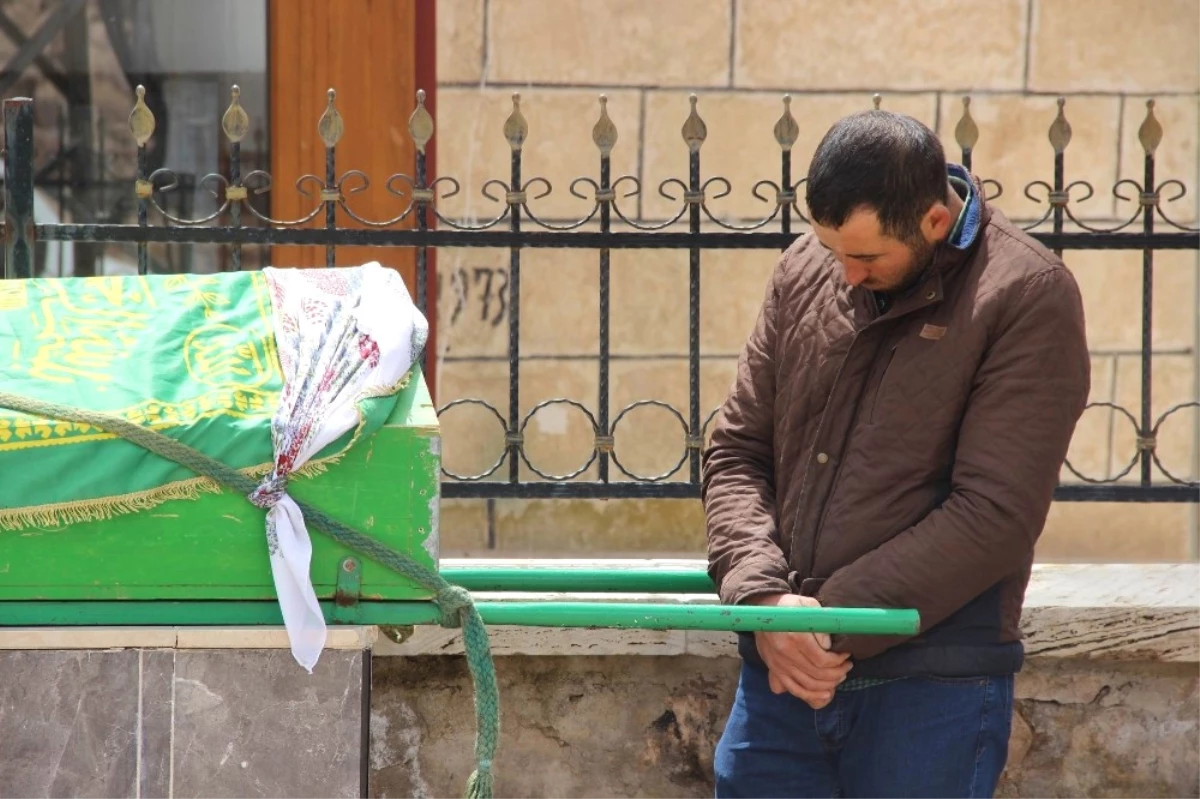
column 1014, row 57
column 1108, row 704
column 628, row 725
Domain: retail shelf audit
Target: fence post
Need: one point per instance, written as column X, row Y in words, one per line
column 18, row 188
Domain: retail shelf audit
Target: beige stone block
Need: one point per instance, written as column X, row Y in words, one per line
column 711, row 644
column 1124, row 532
column 1105, row 441
column 87, row 637
column 559, row 148
column 560, row 302
column 472, row 435
column 1173, row 384
column 559, row 438
column 100, row 638
column 733, row 285
column 459, row 41
column 651, row 440
column 628, row 527
column 1111, row 284
column 885, row 44
column 1115, row 45
column 506, row 641
column 1175, row 159
column 336, row 637
column 464, row 527
column 650, row 302
column 1091, row 450
column 1014, row 149
column 617, row 42
column 741, row 146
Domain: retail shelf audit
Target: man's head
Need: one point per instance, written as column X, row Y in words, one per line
column 878, row 197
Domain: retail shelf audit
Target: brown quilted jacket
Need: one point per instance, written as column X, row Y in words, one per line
column 904, row 459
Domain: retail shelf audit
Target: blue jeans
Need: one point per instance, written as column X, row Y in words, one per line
column 927, row 737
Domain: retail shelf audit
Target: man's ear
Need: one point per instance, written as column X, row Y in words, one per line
column 936, row 224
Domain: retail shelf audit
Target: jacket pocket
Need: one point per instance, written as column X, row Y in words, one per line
column 887, row 369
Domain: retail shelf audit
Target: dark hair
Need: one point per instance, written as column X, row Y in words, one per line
column 880, row 160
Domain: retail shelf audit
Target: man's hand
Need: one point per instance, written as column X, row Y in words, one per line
column 800, row 663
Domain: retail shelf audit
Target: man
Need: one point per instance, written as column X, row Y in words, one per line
column 893, row 439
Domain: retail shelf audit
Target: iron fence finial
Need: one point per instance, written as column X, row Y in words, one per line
column 235, row 122
column 1060, row 129
column 966, row 132
column 1151, row 132
column 331, row 127
column 786, row 129
column 141, row 119
column 516, row 129
column 604, row 133
column 694, row 130
column 420, row 124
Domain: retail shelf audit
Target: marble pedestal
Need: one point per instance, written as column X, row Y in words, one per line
column 181, row 722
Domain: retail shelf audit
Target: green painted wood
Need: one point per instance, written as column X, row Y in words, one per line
column 548, row 578
column 861, row 621
column 215, row 547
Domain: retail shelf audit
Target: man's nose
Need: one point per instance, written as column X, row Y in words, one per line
column 854, row 274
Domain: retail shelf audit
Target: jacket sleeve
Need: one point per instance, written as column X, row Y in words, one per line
column 744, row 555
column 1027, row 396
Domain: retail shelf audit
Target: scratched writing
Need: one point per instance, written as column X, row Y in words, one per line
column 483, row 288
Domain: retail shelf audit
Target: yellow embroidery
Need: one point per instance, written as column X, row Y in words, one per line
column 82, row 341
column 14, row 295
column 219, row 354
column 200, row 289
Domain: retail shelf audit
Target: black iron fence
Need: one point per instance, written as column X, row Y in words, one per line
column 238, row 223
column 92, row 186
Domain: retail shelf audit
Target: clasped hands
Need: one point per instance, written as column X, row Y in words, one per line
column 800, row 663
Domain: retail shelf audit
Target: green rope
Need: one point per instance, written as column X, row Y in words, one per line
column 457, row 606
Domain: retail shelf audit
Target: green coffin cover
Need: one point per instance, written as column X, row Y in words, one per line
column 86, row 515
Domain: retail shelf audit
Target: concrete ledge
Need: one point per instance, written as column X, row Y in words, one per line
column 343, row 638
column 1122, row 612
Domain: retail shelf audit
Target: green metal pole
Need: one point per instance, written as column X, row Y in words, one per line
column 542, row 578
column 619, row 615
column 613, row 615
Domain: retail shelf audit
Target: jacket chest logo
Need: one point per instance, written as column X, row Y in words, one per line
column 932, row 332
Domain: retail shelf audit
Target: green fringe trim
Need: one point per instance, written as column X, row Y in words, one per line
column 63, row 514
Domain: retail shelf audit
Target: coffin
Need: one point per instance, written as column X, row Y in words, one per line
column 89, row 518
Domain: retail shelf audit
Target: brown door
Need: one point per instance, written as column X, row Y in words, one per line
column 375, row 54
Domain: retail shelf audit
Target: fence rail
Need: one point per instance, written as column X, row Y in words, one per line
column 694, row 226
